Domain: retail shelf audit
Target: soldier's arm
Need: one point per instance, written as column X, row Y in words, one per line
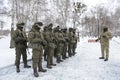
column 98, row 38
column 109, row 35
column 17, row 37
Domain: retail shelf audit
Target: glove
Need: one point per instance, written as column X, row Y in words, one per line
column 67, row 40
column 96, row 40
column 44, row 43
column 104, row 36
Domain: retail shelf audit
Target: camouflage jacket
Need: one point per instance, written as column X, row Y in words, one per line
column 71, row 38
column 36, row 39
column 20, row 38
column 105, row 37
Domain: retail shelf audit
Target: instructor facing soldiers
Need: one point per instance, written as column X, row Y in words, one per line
column 20, row 40
column 104, row 41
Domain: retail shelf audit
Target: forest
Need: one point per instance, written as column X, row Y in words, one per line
column 65, row 13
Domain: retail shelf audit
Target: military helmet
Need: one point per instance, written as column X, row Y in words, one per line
column 20, row 24
column 36, row 26
column 64, row 29
column 74, row 30
column 38, row 23
column 105, row 29
column 50, row 25
column 45, row 28
column 70, row 29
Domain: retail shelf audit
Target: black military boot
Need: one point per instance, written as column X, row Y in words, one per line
column 61, row 60
column 27, row 66
column 101, row 57
column 106, row 60
column 53, row 64
column 48, row 66
column 66, row 57
column 74, row 53
column 70, row 55
column 42, row 70
column 36, row 73
column 58, row 61
column 17, row 69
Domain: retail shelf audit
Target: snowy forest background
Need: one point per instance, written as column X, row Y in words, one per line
column 88, row 20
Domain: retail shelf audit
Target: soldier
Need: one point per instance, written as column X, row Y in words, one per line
column 45, row 32
column 65, row 35
column 75, row 39
column 50, row 45
column 20, row 40
column 59, row 37
column 70, row 44
column 104, row 41
column 55, row 32
column 37, row 41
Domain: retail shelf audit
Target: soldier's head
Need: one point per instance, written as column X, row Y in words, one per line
column 50, row 26
column 36, row 27
column 64, row 30
column 105, row 29
column 60, row 30
column 39, row 23
column 70, row 29
column 20, row 25
column 57, row 28
column 74, row 31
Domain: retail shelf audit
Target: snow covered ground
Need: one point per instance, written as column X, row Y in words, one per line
column 85, row 65
column 7, row 55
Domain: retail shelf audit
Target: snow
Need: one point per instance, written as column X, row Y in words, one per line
column 85, row 65
column 7, row 55
column 7, row 21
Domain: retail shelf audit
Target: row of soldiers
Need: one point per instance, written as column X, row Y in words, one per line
column 51, row 43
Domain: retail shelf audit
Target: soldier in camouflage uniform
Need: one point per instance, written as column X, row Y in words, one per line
column 70, row 44
column 45, row 32
column 20, row 40
column 59, row 37
column 37, row 41
column 75, row 39
column 55, row 33
column 104, row 41
column 50, row 46
column 65, row 35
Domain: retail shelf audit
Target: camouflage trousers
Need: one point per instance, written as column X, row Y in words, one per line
column 105, row 51
column 70, row 49
column 19, row 52
column 45, row 53
column 59, row 51
column 64, row 54
column 51, row 48
column 74, row 47
column 37, row 58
